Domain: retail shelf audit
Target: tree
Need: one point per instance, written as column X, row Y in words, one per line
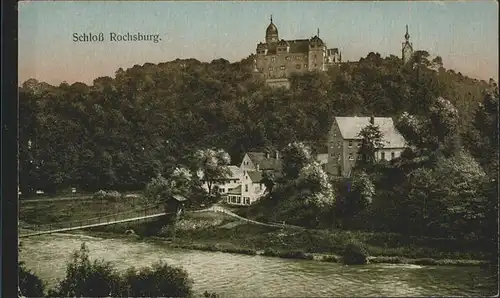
column 445, row 199
column 161, row 188
column 30, row 285
column 160, row 280
column 371, row 141
column 212, row 164
column 269, row 180
column 295, row 157
column 88, row 279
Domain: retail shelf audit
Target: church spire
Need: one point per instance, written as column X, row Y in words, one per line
column 407, row 35
column 271, row 18
column 318, row 32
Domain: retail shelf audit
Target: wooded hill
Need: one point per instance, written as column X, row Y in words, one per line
column 120, row 132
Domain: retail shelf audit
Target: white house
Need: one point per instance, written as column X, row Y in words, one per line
column 250, row 190
column 261, row 161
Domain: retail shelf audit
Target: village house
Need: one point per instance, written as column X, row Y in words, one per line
column 222, row 186
column 251, row 189
column 261, row 161
column 244, row 185
column 344, row 142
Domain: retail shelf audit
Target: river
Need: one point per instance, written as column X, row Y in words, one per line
column 232, row 275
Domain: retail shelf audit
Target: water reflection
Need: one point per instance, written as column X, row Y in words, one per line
column 234, row 275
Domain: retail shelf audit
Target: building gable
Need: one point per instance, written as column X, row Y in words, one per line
column 350, row 127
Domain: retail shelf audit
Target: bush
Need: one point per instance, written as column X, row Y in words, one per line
column 330, row 259
column 210, row 295
column 355, row 253
column 161, row 280
column 30, row 284
column 425, row 261
column 100, row 279
column 88, row 279
column 245, row 251
column 269, row 252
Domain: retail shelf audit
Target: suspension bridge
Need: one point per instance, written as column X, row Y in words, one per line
column 141, row 214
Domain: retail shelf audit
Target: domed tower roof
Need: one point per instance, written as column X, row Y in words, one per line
column 271, row 29
column 271, row 32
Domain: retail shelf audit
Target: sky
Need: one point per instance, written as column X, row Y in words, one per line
column 463, row 33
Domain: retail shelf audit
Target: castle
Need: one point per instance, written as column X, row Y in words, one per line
column 277, row 59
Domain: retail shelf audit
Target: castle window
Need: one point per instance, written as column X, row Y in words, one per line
column 339, row 144
column 350, row 144
column 282, row 67
column 270, row 69
column 273, row 59
column 297, row 66
column 351, row 157
column 287, row 58
column 359, row 156
column 305, row 65
column 298, row 58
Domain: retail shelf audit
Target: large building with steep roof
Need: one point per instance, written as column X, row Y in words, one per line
column 277, row 59
column 344, row 142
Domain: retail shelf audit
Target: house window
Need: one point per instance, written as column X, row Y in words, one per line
column 305, row 65
column 270, row 69
column 297, row 66
column 273, row 59
column 282, row 67
column 338, row 157
column 382, row 155
column 359, row 144
column 238, row 200
column 287, row 58
column 298, row 58
column 246, row 187
column 339, row 144
column 359, row 156
column 350, row 144
column 393, row 155
column 351, row 157
column 248, row 201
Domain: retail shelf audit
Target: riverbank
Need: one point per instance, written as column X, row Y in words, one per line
column 209, row 231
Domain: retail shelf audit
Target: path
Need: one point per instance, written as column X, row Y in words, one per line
column 220, row 209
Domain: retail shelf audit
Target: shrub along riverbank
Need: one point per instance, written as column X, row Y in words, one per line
column 210, row 231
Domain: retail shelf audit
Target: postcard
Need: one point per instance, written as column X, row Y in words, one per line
column 258, row 149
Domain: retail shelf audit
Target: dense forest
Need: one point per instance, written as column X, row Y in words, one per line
column 120, row 132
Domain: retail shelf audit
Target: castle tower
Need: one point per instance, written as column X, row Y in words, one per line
column 271, row 33
column 317, row 52
column 407, row 48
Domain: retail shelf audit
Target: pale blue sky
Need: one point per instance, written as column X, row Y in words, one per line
column 464, row 33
